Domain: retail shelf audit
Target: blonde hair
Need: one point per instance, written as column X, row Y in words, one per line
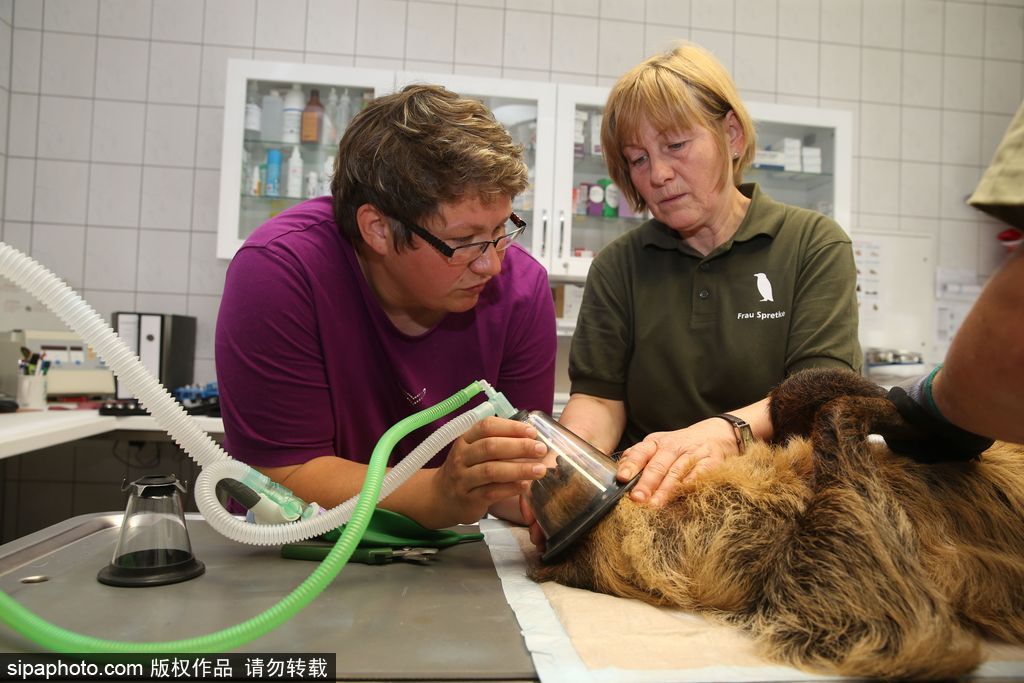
column 678, row 90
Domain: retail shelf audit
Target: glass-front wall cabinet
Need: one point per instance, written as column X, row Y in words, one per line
column 590, row 211
column 804, row 157
column 282, row 123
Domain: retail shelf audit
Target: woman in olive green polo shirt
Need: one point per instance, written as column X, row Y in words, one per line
column 705, row 308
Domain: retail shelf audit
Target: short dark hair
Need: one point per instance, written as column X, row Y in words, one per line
column 410, row 152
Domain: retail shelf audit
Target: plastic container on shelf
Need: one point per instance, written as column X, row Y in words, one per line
column 271, row 117
column 330, row 126
column 345, row 112
column 294, row 104
column 595, row 198
column 272, row 186
column 295, row 174
column 252, row 112
column 612, row 200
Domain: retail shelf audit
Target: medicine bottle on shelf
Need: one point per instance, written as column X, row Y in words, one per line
column 252, row 113
column 272, row 186
column 271, row 123
column 330, row 131
column 294, row 103
column 313, row 118
column 294, row 188
column 344, row 112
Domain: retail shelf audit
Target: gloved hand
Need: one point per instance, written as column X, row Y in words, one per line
column 928, row 436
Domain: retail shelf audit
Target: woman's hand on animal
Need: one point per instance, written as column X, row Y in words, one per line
column 495, row 459
column 668, row 458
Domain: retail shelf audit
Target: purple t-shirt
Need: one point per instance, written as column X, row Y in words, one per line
column 308, row 364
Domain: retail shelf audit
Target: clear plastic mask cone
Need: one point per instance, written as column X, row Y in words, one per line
column 153, row 547
column 578, row 489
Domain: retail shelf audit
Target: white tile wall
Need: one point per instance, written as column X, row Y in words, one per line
column 881, row 23
column 115, row 106
column 758, row 17
column 65, row 128
column 331, row 26
column 922, row 80
column 754, row 66
column 281, row 25
column 881, row 75
column 114, row 195
column 839, row 71
column 921, row 134
column 75, row 16
column 381, row 28
column 228, row 22
column 122, row 69
column 527, row 40
column 68, row 64
column 574, row 43
column 798, row 67
column 1003, row 32
column 28, row 14
column 964, row 29
column 167, row 198
column 919, row 190
column 712, row 14
column 24, row 120
column 668, row 13
column 117, row 131
column 961, row 137
column 171, row 135
column 622, row 47
column 61, row 248
column 125, row 18
column 961, row 83
column 922, row 26
column 60, row 192
column 165, row 254
column 800, row 19
column 111, row 259
column 6, row 35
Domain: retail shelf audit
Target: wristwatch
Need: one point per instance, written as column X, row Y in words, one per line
column 744, row 435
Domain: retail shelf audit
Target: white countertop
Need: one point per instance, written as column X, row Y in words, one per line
column 33, row 429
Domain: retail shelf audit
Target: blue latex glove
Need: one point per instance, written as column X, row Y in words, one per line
column 928, row 436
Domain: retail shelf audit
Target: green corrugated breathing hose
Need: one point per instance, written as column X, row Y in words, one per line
column 58, row 639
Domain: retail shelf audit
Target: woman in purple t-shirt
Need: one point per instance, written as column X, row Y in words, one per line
column 345, row 314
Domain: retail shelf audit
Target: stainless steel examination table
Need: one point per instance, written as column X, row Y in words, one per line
column 447, row 620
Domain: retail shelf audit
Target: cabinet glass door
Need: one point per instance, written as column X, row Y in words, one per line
column 527, row 110
column 282, row 123
column 804, row 157
column 590, row 211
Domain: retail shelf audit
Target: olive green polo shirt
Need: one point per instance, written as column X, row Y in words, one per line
column 679, row 337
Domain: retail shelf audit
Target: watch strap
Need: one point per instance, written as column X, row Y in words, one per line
column 744, row 435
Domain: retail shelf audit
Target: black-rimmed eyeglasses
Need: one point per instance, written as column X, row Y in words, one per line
column 469, row 252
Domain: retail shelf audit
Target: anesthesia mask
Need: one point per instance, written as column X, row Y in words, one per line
column 579, row 488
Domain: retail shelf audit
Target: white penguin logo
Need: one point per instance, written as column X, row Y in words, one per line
column 764, row 287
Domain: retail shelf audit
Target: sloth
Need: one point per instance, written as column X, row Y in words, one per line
column 835, row 554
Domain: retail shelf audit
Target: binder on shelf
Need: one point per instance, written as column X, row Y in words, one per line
column 165, row 343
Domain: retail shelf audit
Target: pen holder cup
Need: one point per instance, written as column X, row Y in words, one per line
column 32, row 392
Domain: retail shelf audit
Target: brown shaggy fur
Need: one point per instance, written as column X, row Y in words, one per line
column 837, row 555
